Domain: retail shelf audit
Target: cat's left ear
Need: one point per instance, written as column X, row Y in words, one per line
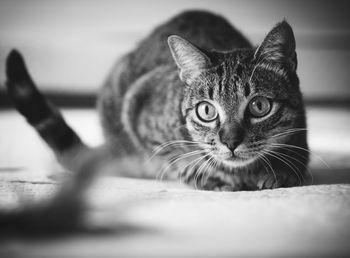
column 190, row 60
column 279, row 46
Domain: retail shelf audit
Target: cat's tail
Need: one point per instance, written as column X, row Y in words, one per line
column 40, row 113
column 65, row 210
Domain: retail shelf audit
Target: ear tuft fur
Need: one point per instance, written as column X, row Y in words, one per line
column 188, row 58
column 278, row 46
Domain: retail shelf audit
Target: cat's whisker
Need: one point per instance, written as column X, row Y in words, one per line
column 290, row 131
column 161, row 147
column 294, row 152
column 185, row 168
column 213, row 163
column 215, row 166
column 165, row 144
column 206, row 169
column 170, row 143
column 210, row 165
column 297, row 160
column 193, row 166
column 295, row 130
column 291, row 165
column 302, row 164
column 199, row 171
column 176, row 159
column 286, row 162
column 266, row 144
column 269, row 165
column 263, row 163
column 302, row 149
column 173, row 160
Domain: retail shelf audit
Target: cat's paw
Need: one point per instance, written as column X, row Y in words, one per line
column 277, row 181
column 220, row 184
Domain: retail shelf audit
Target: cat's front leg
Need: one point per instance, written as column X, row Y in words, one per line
column 213, row 179
column 223, row 182
column 265, row 180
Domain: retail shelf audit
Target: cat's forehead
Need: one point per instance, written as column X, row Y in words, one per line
column 233, row 79
column 239, row 76
column 236, row 78
column 244, row 57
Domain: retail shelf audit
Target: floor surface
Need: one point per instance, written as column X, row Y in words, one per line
column 159, row 219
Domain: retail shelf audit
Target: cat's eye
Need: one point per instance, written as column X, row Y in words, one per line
column 259, row 106
column 206, row 112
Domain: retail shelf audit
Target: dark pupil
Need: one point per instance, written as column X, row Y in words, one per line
column 206, row 110
column 259, row 105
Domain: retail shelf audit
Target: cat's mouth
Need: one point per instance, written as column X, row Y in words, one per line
column 238, row 162
column 232, row 160
column 241, row 157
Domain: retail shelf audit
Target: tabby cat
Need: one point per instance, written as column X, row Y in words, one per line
column 194, row 101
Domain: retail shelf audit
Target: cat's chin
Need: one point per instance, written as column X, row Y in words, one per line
column 237, row 162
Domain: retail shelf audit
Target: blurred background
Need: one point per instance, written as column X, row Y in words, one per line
column 70, row 46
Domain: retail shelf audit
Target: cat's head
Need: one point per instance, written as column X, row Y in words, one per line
column 241, row 104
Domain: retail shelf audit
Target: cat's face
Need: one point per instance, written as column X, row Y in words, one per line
column 241, row 107
column 237, row 114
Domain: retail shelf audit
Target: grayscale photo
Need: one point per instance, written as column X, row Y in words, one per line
column 181, row 128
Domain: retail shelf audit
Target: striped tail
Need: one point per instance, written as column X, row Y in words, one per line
column 40, row 113
column 65, row 211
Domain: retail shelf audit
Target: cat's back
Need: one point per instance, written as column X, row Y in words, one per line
column 204, row 29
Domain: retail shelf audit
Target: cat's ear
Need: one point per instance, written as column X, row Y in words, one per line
column 190, row 60
column 278, row 46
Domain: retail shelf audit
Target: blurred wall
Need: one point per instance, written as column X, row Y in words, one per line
column 71, row 45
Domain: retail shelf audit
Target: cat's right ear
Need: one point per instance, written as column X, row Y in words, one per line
column 190, row 60
column 279, row 46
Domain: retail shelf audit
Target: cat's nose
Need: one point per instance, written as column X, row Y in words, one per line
column 231, row 136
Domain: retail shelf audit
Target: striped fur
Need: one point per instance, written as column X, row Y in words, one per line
column 151, row 95
column 39, row 112
column 149, row 112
